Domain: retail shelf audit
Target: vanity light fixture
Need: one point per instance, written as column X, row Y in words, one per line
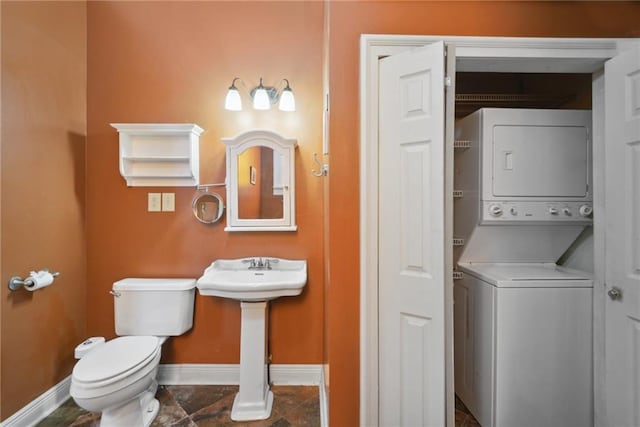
column 262, row 97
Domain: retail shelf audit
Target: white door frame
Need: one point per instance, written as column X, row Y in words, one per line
column 472, row 54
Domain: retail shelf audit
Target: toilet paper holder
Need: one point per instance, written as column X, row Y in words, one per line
column 17, row 282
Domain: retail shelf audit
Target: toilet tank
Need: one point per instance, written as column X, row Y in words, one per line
column 160, row 307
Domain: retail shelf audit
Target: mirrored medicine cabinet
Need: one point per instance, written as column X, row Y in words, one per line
column 260, row 182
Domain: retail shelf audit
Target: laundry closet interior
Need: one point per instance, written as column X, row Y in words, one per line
column 523, row 201
column 500, row 245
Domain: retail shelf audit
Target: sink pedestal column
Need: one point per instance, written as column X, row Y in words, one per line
column 254, row 399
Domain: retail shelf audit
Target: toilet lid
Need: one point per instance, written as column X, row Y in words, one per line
column 115, row 357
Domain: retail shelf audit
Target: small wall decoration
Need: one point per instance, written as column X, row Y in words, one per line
column 252, row 175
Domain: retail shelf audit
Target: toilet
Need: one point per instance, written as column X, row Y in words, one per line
column 118, row 377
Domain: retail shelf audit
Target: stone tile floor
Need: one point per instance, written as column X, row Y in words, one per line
column 207, row 405
column 463, row 416
column 210, row 405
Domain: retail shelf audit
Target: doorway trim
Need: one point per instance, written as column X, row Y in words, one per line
column 500, row 54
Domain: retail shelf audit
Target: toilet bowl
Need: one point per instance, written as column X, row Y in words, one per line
column 118, row 378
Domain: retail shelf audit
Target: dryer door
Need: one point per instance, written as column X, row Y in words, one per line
column 540, row 161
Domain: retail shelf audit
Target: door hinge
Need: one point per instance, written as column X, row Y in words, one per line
column 447, row 81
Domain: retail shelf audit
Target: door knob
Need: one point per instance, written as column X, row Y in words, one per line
column 614, row 293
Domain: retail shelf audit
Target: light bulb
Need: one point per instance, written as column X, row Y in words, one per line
column 233, row 102
column 287, row 101
column 261, row 99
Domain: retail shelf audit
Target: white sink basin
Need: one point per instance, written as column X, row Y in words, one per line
column 253, row 279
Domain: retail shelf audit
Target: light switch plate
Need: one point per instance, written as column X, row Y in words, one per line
column 153, row 202
column 168, row 202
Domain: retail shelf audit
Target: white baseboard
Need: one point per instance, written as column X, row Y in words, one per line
column 179, row 374
column 175, row 374
column 41, row 406
column 324, row 401
column 198, row 374
column 296, row 374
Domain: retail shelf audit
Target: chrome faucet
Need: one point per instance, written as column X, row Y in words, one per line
column 256, row 264
column 260, row 263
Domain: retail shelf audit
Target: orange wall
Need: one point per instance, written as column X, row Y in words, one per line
column 347, row 21
column 43, row 148
column 173, row 62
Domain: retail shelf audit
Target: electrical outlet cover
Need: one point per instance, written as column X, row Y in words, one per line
column 153, row 202
column 168, row 202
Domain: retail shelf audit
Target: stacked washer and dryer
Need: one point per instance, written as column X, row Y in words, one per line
column 523, row 325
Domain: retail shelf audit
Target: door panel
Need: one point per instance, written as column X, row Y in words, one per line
column 622, row 269
column 412, row 259
column 415, row 226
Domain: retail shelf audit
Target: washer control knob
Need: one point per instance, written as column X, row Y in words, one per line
column 585, row 210
column 553, row 210
column 495, row 210
column 513, row 210
column 566, row 211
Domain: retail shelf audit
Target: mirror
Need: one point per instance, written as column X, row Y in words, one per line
column 208, row 208
column 260, row 187
column 260, row 192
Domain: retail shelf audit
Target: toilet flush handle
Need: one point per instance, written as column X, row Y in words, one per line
column 114, row 293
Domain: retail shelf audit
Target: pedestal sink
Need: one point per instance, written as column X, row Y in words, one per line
column 253, row 281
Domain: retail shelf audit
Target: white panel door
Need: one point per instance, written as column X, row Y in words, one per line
column 622, row 270
column 412, row 244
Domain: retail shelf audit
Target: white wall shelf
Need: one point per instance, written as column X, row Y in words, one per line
column 159, row 154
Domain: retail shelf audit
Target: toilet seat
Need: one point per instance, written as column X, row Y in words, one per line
column 115, row 365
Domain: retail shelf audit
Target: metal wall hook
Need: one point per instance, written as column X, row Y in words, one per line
column 324, row 167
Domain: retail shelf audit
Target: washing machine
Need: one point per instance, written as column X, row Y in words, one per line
column 522, row 324
column 524, row 344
